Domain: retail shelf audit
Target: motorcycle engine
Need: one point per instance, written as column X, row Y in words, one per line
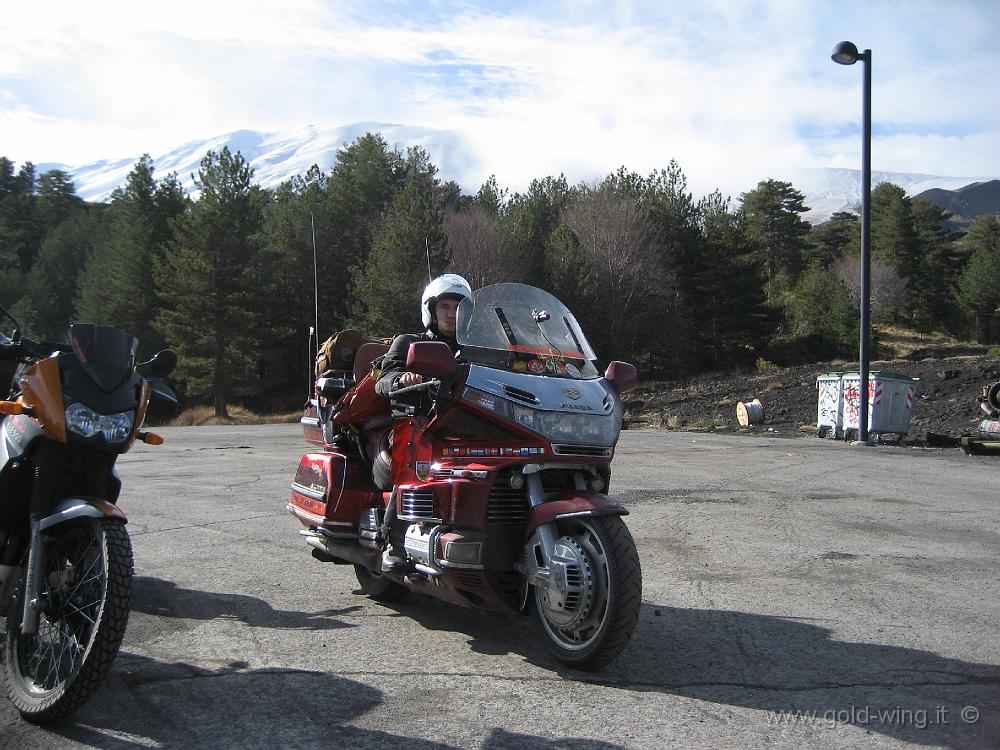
column 418, row 542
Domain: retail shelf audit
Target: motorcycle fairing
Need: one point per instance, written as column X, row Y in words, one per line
column 78, row 386
column 19, row 432
column 42, row 389
column 588, row 396
column 106, row 354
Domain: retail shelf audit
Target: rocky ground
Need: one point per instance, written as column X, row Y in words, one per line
column 946, row 404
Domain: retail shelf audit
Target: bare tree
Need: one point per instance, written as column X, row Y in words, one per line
column 888, row 288
column 619, row 242
column 477, row 250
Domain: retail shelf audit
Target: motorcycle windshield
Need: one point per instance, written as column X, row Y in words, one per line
column 106, row 354
column 524, row 329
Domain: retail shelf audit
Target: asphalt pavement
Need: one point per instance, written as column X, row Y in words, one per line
column 797, row 593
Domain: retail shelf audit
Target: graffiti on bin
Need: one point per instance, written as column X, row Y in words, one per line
column 829, row 394
column 852, row 400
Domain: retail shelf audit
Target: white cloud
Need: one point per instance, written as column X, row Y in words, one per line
column 735, row 92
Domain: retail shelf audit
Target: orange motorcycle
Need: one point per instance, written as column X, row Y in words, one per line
column 65, row 556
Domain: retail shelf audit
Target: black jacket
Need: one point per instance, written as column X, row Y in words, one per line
column 394, row 365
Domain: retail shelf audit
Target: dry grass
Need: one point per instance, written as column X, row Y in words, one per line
column 904, row 341
column 205, row 415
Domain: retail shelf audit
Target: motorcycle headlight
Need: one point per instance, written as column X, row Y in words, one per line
column 556, row 426
column 563, row 427
column 85, row 422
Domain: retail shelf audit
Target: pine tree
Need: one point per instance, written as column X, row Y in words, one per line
column 836, row 238
column 979, row 285
column 574, row 281
column 298, row 211
column 360, row 189
column 735, row 320
column 387, row 286
column 942, row 261
column 821, row 307
column 214, row 285
column 20, row 233
column 672, row 210
column 911, row 236
column 116, row 287
column 526, row 222
column 773, row 213
column 47, row 309
column 56, row 199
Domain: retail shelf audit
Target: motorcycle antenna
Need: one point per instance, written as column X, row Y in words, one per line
column 427, row 251
column 312, row 221
column 309, row 366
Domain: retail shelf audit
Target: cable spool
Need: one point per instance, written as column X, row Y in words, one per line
column 993, row 395
column 989, row 429
column 749, row 413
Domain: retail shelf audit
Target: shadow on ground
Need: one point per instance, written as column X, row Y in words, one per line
column 178, row 705
column 778, row 666
column 782, row 667
column 160, row 598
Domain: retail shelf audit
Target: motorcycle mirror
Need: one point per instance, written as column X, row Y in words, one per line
column 431, row 358
column 624, row 376
column 163, row 363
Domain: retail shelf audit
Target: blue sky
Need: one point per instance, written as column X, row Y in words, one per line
column 734, row 91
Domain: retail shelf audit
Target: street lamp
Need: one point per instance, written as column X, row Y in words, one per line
column 846, row 53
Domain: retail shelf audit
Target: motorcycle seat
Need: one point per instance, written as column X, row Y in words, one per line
column 367, row 353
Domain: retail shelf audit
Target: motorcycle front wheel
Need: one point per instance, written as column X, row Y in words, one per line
column 85, row 588
column 378, row 587
column 587, row 618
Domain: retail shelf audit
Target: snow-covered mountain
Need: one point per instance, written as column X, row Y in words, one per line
column 829, row 190
column 276, row 156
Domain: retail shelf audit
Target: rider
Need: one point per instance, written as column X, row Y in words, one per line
column 438, row 308
column 438, row 311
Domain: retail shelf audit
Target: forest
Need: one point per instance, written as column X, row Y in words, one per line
column 675, row 284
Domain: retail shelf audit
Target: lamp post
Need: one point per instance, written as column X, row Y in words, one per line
column 846, row 53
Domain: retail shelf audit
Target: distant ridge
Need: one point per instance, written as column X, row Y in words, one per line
column 277, row 156
column 828, row 190
column 967, row 203
column 274, row 156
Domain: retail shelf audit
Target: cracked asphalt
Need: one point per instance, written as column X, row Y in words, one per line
column 797, row 594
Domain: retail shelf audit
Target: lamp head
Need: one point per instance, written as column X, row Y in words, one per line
column 845, row 53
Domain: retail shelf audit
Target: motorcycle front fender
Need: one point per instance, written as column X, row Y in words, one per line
column 72, row 508
column 574, row 503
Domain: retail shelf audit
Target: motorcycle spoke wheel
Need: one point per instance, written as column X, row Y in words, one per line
column 85, row 590
column 587, row 624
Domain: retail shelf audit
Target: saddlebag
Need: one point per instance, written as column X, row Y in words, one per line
column 330, row 490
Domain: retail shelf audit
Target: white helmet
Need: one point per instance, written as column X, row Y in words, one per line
column 446, row 285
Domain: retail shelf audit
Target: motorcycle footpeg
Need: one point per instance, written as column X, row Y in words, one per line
column 401, row 568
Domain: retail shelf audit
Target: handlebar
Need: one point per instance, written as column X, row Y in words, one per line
column 415, row 387
column 23, row 349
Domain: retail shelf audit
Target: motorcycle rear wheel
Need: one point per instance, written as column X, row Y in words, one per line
column 86, row 586
column 589, row 628
column 378, row 587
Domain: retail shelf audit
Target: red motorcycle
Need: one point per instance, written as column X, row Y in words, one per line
column 500, row 492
